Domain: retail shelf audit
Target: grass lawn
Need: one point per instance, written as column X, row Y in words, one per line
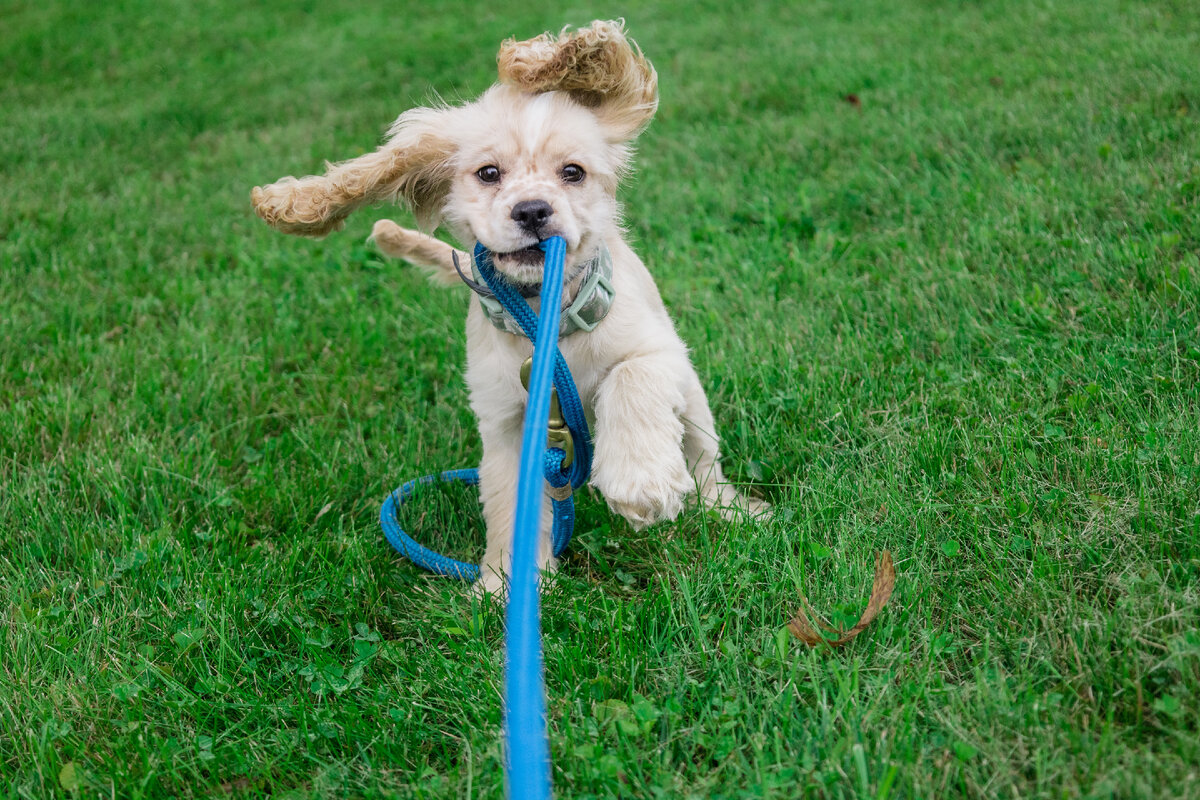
column 938, row 264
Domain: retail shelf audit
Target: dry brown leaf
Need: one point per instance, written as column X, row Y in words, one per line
column 802, row 627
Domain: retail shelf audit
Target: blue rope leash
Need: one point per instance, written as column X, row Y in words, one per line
column 406, row 546
column 438, row 564
column 528, row 752
column 528, row 747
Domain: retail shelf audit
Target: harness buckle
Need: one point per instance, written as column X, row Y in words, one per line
column 557, row 433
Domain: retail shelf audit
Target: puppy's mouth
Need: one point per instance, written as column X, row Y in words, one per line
column 531, row 256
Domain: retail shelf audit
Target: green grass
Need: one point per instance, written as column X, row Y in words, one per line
column 959, row 321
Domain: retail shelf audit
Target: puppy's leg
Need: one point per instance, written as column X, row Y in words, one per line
column 639, row 466
column 434, row 256
column 700, row 448
column 498, row 492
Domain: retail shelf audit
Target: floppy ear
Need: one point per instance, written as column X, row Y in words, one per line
column 413, row 165
column 597, row 65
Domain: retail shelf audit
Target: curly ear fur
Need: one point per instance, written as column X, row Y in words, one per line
column 413, row 165
column 597, row 65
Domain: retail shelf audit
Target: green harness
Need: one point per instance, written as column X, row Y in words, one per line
column 591, row 304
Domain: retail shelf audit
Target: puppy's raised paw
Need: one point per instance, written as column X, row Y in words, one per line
column 645, row 499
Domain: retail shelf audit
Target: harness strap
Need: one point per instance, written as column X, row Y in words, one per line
column 591, row 304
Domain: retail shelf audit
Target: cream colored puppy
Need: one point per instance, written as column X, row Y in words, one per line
column 540, row 155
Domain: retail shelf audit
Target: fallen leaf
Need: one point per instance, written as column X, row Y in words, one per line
column 804, row 629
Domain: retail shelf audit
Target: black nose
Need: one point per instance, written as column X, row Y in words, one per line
column 532, row 214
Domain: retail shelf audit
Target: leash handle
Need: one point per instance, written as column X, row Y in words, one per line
column 528, row 751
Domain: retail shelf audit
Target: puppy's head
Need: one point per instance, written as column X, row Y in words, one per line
column 536, row 156
column 531, row 166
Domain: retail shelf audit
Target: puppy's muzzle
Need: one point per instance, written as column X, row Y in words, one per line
column 532, row 215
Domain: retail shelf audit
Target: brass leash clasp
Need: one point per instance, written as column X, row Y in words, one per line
column 557, row 433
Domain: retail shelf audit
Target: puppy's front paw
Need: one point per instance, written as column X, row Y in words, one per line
column 490, row 584
column 742, row 506
column 757, row 508
column 644, row 498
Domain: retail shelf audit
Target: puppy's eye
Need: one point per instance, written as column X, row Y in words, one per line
column 488, row 174
column 573, row 173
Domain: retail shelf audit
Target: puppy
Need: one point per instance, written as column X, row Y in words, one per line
column 540, row 154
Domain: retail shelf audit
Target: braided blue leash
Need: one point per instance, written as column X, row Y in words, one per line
column 438, row 564
column 528, row 745
column 406, row 546
column 528, row 748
